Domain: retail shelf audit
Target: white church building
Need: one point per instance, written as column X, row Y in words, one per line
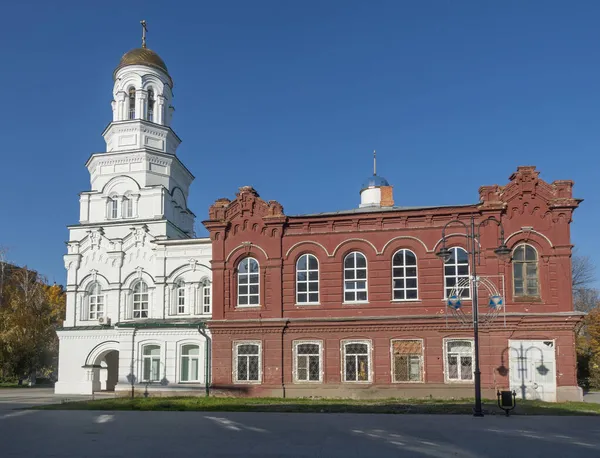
column 138, row 282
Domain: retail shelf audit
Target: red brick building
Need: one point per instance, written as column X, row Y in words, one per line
column 354, row 303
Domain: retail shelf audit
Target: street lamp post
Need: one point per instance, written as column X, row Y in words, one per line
column 472, row 233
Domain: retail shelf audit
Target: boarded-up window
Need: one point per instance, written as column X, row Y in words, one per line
column 407, row 360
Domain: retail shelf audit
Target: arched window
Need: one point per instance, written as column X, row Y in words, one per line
column 151, row 363
column 190, row 361
column 404, row 275
column 113, row 208
column 525, row 271
column 456, row 274
column 307, row 280
column 248, row 283
column 132, row 103
column 181, row 306
column 127, row 207
column 355, row 277
column 95, row 301
column 151, row 105
column 140, row 300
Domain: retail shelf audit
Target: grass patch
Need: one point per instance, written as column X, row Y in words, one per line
column 299, row 405
column 13, row 385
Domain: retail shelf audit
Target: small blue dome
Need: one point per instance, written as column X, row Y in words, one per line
column 374, row 181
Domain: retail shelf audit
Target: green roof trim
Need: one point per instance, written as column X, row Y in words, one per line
column 85, row 328
column 162, row 324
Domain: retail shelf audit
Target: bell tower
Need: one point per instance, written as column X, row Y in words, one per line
column 139, row 177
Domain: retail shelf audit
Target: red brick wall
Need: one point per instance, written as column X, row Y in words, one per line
column 531, row 210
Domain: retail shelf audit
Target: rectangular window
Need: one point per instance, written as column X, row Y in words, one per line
column 206, row 299
column 151, row 363
column 357, row 361
column 307, row 362
column 190, row 359
column 459, row 360
column 407, row 360
column 181, row 300
column 247, row 362
column 114, row 209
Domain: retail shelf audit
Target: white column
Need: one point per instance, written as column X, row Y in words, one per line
column 159, row 114
column 140, row 104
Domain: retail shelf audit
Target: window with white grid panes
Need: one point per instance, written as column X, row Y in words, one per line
column 355, row 277
column 140, row 300
column 357, row 361
column 151, row 363
column 456, row 272
column 190, row 362
column 95, row 302
column 407, row 360
column 206, row 299
column 404, row 276
column 525, row 271
column 247, row 362
column 248, row 283
column 181, row 308
column 307, row 280
column 307, row 362
column 459, row 360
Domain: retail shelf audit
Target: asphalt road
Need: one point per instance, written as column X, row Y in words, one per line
column 95, row 434
column 163, row 434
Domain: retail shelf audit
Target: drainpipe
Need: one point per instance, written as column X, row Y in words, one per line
column 133, row 363
column 202, row 331
column 283, row 357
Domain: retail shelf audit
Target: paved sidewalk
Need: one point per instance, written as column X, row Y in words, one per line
column 16, row 398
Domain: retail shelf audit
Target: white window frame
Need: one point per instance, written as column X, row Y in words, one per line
column 189, row 358
column 307, row 282
column 344, row 343
column 137, row 303
column 447, row 378
column 113, row 208
column 181, row 298
column 235, row 378
column 354, row 270
column 127, row 207
column 297, row 355
column 524, row 270
column 206, row 299
column 456, row 276
column 421, row 361
column 405, row 277
column 95, row 301
column 247, row 276
column 150, row 359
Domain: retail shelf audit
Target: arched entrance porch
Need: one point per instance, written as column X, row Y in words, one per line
column 105, row 362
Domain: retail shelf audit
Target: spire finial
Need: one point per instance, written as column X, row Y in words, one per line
column 144, row 30
column 374, row 162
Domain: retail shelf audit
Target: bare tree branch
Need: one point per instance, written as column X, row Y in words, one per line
column 584, row 271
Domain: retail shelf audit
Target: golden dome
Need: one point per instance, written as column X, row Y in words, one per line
column 142, row 56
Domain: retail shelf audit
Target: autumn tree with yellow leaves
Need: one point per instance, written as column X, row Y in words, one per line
column 30, row 312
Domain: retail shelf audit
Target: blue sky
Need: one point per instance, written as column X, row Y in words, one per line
column 291, row 97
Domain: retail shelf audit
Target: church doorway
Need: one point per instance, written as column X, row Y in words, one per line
column 108, row 373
